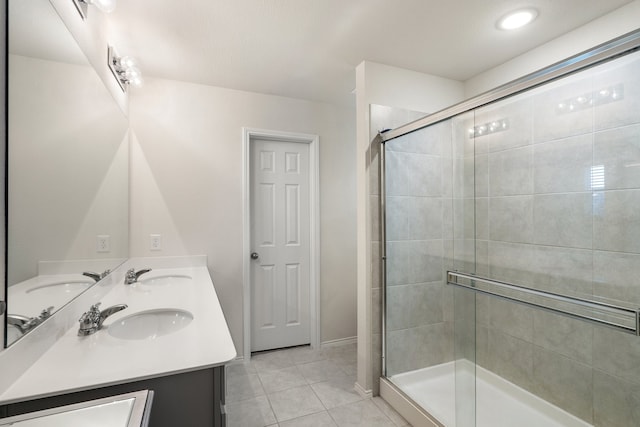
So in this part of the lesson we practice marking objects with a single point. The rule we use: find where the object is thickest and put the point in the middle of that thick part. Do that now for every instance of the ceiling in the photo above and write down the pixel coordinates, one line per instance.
(309, 48)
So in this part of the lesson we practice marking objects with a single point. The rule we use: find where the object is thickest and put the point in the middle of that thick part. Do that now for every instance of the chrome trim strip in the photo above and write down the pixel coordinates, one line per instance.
(618, 46)
(633, 314)
(383, 248)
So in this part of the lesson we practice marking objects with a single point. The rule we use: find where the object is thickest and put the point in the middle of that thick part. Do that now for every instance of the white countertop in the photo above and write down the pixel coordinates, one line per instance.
(77, 363)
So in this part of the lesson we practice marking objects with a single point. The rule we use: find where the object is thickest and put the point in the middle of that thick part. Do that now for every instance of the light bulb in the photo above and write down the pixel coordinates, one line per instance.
(126, 62)
(517, 19)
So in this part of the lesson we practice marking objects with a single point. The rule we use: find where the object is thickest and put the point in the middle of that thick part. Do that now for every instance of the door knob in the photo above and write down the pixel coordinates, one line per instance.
(254, 255)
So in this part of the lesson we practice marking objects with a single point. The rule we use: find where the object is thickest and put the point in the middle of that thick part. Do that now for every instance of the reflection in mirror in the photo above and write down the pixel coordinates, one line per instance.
(67, 170)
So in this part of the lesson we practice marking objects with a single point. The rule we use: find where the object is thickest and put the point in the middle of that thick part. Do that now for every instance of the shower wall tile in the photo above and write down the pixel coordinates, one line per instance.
(482, 218)
(469, 177)
(617, 151)
(436, 345)
(483, 313)
(458, 177)
(615, 275)
(511, 262)
(482, 258)
(481, 172)
(431, 140)
(549, 122)
(563, 270)
(563, 220)
(397, 174)
(482, 346)
(563, 382)
(425, 261)
(447, 176)
(511, 172)
(616, 223)
(616, 402)
(563, 165)
(448, 312)
(570, 337)
(397, 359)
(511, 358)
(397, 310)
(397, 218)
(519, 114)
(447, 218)
(398, 263)
(424, 218)
(616, 353)
(511, 219)
(425, 304)
(426, 173)
(511, 318)
(464, 257)
(627, 110)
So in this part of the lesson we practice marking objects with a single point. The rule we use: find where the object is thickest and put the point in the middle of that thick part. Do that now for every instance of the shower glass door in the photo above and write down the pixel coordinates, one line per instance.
(429, 326)
(533, 200)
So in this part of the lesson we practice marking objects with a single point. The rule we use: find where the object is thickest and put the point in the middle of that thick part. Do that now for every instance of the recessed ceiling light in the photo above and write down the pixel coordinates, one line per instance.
(517, 19)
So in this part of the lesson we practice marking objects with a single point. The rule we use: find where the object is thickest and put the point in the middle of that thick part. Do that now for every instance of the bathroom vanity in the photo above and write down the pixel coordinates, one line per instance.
(172, 338)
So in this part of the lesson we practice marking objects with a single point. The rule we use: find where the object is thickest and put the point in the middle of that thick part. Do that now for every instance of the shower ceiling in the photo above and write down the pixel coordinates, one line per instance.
(309, 48)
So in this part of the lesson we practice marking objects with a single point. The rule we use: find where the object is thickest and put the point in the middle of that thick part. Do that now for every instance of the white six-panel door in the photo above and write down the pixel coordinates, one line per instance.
(280, 244)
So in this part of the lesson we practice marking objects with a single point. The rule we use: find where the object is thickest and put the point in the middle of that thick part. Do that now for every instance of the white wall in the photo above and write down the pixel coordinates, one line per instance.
(186, 184)
(598, 31)
(395, 87)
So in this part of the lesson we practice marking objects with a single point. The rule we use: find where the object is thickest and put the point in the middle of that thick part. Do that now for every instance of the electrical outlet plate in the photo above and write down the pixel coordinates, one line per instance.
(103, 243)
(155, 242)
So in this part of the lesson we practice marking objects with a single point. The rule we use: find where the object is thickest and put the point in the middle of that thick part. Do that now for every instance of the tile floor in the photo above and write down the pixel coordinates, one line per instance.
(301, 387)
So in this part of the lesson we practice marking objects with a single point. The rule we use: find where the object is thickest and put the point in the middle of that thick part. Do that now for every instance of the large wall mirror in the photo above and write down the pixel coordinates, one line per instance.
(67, 163)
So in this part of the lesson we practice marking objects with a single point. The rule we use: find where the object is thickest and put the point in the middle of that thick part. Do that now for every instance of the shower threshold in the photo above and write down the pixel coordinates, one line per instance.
(498, 401)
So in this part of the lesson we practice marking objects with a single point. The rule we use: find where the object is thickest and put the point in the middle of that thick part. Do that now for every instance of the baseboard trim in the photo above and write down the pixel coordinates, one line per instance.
(362, 392)
(339, 341)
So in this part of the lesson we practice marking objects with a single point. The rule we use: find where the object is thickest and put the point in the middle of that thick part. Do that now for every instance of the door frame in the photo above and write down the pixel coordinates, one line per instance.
(248, 135)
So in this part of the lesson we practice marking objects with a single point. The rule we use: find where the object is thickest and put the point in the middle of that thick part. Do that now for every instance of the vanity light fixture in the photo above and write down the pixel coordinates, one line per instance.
(124, 69)
(517, 19)
(106, 6)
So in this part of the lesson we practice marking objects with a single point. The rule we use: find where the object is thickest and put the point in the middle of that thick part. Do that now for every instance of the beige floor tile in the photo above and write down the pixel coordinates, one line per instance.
(254, 412)
(294, 403)
(360, 414)
(321, 419)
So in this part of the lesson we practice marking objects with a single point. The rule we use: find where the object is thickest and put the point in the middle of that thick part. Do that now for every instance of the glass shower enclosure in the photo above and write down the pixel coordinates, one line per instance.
(511, 229)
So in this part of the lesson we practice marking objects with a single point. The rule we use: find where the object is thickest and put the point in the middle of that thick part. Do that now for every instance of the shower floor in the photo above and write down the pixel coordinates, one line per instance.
(498, 402)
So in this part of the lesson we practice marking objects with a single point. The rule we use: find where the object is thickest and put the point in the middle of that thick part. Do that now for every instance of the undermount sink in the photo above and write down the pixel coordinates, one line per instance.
(150, 324)
(69, 287)
(171, 279)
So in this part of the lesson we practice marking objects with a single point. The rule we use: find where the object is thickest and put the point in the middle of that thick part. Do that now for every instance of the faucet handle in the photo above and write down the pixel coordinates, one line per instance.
(46, 312)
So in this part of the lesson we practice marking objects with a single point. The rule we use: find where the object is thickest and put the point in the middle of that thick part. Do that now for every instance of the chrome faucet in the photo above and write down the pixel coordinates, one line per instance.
(96, 276)
(91, 321)
(24, 323)
(133, 275)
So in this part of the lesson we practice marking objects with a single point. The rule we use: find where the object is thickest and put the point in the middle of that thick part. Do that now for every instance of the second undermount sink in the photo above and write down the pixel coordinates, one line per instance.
(169, 279)
(150, 324)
